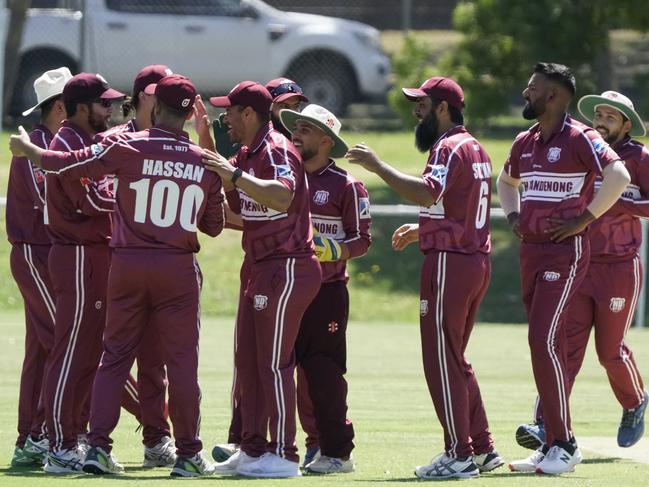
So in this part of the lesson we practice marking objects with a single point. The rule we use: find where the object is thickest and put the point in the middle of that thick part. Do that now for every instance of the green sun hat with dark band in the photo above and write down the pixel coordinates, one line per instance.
(587, 105)
(321, 118)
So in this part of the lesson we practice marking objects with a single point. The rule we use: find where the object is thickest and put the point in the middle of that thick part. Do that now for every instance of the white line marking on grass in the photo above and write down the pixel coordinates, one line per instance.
(607, 447)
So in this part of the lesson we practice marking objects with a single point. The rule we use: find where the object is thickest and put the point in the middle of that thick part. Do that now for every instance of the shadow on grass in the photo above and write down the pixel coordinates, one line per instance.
(596, 461)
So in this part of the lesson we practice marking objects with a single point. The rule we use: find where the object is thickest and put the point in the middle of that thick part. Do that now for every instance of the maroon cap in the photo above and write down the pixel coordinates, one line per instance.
(246, 94)
(148, 75)
(86, 87)
(438, 87)
(175, 91)
(283, 88)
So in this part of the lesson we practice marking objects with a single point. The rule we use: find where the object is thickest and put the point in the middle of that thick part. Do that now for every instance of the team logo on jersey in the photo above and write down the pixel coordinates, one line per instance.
(332, 327)
(617, 304)
(321, 197)
(95, 149)
(551, 276)
(423, 307)
(438, 172)
(261, 302)
(554, 153)
(364, 208)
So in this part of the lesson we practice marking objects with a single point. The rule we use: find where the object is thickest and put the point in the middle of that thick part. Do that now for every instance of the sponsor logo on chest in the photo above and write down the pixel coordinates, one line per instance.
(548, 186)
(251, 210)
(329, 226)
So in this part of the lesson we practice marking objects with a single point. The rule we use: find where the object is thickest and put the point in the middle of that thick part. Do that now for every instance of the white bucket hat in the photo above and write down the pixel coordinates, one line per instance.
(321, 118)
(587, 105)
(48, 85)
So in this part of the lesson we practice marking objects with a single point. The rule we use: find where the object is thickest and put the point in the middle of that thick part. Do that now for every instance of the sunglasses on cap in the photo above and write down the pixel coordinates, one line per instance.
(104, 102)
(286, 88)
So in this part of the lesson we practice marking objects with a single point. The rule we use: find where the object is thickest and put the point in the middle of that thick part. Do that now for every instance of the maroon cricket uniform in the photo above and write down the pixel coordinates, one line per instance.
(77, 218)
(557, 177)
(147, 396)
(340, 209)
(284, 278)
(454, 236)
(164, 195)
(29, 252)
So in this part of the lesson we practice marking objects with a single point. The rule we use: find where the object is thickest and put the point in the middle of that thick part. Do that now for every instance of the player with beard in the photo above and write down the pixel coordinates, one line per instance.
(78, 223)
(453, 233)
(556, 161)
(606, 300)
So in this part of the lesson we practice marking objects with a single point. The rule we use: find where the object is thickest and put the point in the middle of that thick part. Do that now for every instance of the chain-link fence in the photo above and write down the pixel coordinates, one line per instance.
(218, 43)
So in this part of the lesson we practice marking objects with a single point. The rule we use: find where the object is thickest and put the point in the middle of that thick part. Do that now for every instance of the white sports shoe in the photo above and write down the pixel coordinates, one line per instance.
(445, 467)
(195, 466)
(99, 462)
(325, 464)
(528, 464)
(161, 455)
(487, 462)
(223, 451)
(558, 460)
(66, 461)
(270, 465)
(229, 467)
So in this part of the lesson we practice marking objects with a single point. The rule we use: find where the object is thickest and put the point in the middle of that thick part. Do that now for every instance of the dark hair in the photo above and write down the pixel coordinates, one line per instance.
(174, 111)
(71, 108)
(263, 117)
(558, 73)
(130, 104)
(48, 105)
(455, 114)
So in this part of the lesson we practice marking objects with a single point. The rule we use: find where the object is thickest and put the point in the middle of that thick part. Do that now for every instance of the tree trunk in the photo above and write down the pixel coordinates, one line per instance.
(17, 18)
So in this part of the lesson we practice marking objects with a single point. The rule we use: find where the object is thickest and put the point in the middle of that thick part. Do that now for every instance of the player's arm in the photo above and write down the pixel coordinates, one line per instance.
(409, 187)
(510, 199)
(27, 173)
(273, 193)
(356, 221)
(638, 207)
(202, 125)
(213, 219)
(405, 235)
(233, 220)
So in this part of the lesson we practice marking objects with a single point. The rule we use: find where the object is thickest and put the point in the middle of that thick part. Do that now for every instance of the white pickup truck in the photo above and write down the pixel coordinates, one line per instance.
(215, 42)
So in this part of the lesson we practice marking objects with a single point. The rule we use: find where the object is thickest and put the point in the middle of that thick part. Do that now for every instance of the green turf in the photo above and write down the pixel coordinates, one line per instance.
(395, 424)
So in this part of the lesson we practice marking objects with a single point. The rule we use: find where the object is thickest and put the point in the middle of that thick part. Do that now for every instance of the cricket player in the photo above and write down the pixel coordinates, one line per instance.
(453, 233)
(606, 300)
(340, 212)
(30, 247)
(266, 184)
(164, 196)
(556, 161)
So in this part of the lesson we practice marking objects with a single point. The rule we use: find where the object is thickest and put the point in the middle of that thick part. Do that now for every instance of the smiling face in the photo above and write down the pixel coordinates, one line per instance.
(610, 123)
(234, 119)
(310, 140)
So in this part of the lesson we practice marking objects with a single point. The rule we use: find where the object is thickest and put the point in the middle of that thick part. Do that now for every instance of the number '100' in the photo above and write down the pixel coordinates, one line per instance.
(165, 199)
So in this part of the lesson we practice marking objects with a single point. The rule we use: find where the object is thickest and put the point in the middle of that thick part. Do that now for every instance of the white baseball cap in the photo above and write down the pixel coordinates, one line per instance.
(321, 118)
(48, 85)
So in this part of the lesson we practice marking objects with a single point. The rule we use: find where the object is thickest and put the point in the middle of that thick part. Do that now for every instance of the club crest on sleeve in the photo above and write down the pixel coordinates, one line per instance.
(364, 208)
(438, 172)
(554, 153)
(321, 197)
(284, 171)
(617, 304)
(600, 146)
(260, 302)
(423, 307)
(551, 276)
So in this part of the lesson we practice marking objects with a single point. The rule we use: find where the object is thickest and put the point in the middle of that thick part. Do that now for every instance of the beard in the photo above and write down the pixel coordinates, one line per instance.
(533, 111)
(307, 154)
(607, 135)
(97, 122)
(426, 132)
(279, 126)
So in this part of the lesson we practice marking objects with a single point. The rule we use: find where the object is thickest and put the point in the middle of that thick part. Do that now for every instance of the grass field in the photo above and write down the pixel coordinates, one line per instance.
(395, 423)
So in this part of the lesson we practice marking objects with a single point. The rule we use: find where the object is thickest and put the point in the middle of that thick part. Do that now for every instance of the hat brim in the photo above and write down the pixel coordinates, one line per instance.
(286, 96)
(290, 117)
(38, 105)
(587, 105)
(220, 101)
(111, 94)
(413, 94)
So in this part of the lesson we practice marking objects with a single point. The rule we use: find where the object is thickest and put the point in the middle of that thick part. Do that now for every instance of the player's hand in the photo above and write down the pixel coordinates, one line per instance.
(18, 143)
(562, 229)
(405, 235)
(223, 143)
(326, 249)
(513, 220)
(201, 119)
(215, 162)
(364, 156)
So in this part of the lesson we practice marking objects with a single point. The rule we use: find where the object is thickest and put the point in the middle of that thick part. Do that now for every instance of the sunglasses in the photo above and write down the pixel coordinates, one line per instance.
(286, 88)
(104, 102)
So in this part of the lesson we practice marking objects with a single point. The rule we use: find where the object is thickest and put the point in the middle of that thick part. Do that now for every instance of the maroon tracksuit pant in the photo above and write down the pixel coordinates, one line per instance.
(452, 288)
(29, 270)
(321, 351)
(551, 274)
(151, 293)
(277, 294)
(606, 301)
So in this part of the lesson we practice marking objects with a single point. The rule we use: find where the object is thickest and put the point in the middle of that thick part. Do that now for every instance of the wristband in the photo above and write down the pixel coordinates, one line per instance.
(512, 217)
(236, 175)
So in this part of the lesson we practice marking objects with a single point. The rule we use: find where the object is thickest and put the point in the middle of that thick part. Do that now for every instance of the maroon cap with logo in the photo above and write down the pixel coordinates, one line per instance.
(175, 91)
(283, 88)
(246, 94)
(438, 87)
(85, 87)
(148, 75)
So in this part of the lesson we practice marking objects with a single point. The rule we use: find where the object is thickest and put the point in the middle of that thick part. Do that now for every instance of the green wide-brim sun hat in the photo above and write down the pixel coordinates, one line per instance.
(588, 103)
(290, 117)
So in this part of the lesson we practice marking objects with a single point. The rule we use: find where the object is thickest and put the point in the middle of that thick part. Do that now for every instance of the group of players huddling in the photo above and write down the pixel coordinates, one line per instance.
(103, 224)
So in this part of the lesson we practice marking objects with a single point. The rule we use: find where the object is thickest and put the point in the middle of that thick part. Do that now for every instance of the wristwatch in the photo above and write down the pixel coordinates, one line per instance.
(236, 175)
